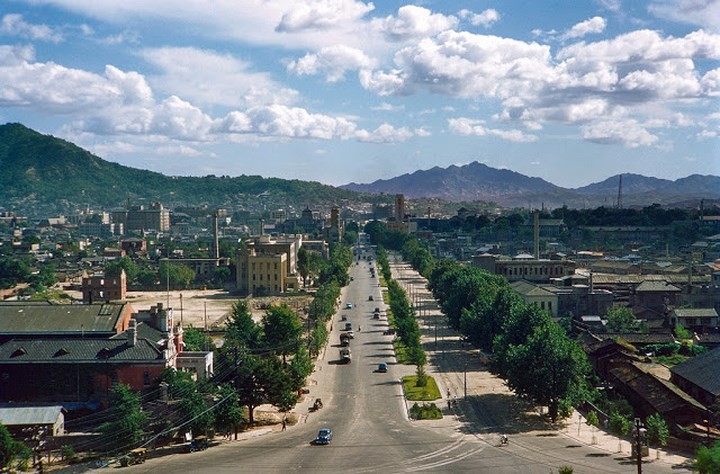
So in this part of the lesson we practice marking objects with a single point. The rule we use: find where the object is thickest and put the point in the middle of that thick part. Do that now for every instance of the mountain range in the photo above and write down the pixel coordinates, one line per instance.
(38, 169)
(479, 182)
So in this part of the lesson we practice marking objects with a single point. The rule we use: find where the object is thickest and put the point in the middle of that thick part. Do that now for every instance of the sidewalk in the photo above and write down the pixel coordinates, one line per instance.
(459, 369)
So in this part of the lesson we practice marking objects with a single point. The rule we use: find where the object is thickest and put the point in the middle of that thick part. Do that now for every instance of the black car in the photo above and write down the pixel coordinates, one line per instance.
(382, 367)
(324, 436)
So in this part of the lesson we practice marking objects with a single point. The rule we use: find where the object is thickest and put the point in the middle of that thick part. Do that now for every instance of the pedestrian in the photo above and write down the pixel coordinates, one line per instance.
(284, 423)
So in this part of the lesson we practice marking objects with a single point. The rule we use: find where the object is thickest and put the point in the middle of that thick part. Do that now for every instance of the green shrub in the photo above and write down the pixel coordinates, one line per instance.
(425, 412)
(565, 470)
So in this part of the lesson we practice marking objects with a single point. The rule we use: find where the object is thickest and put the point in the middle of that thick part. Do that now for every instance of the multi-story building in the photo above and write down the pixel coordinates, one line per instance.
(100, 288)
(136, 218)
(268, 266)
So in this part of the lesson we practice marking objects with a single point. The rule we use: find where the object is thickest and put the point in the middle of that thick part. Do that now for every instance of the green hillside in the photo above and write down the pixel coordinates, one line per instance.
(43, 168)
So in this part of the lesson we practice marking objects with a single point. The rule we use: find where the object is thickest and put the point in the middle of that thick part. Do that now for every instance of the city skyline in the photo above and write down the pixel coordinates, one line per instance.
(347, 91)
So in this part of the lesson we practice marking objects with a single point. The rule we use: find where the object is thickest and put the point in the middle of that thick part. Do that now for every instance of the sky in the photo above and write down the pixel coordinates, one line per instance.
(341, 91)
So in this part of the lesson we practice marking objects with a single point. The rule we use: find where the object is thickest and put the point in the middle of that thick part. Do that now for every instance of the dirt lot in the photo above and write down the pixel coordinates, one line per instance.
(194, 306)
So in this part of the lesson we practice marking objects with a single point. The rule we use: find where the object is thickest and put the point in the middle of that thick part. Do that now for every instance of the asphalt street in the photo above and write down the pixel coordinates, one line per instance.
(368, 414)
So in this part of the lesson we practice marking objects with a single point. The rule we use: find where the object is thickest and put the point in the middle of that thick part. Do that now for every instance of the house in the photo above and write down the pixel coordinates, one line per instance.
(649, 394)
(700, 377)
(700, 320)
(101, 288)
(49, 420)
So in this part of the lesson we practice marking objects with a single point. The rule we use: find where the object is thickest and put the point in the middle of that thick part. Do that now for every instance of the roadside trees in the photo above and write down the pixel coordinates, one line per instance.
(9, 448)
(547, 368)
(127, 415)
(283, 330)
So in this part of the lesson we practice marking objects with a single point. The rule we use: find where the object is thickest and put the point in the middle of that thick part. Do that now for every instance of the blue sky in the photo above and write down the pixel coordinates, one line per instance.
(343, 90)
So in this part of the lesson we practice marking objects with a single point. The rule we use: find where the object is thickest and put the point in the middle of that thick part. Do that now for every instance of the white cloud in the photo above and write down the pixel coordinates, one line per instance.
(13, 24)
(210, 78)
(321, 14)
(334, 61)
(486, 18)
(628, 133)
(287, 122)
(705, 13)
(414, 22)
(182, 150)
(705, 134)
(467, 127)
(612, 5)
(386, 133)
(465, 65)
(385, 107)
(590, 26)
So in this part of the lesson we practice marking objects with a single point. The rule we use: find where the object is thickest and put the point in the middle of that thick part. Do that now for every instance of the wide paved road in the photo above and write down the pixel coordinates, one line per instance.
(366, 411)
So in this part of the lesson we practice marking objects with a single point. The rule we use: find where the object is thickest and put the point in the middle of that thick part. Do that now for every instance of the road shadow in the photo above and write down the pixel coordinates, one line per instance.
(499, 413)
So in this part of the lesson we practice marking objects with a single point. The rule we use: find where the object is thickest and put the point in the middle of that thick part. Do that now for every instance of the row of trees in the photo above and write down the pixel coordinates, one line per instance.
(406, 325)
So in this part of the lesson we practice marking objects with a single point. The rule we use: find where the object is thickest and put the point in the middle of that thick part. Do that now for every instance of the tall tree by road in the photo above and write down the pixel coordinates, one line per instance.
(548, 368)
(283, 330)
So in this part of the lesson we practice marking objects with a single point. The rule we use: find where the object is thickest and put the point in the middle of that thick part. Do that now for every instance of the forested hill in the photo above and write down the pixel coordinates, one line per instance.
(43, 168)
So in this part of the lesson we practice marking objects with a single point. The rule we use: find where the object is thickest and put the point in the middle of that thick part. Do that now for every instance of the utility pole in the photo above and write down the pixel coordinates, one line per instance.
(639, 439)
(465, 381)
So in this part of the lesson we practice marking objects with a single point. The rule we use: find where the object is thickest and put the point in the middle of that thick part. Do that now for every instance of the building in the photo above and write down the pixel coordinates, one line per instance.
(700, 377)
(49, 420)
(77, 353)
(138, 218)
(269, 266)
(99, 288)
(524, 267)
(701, 320)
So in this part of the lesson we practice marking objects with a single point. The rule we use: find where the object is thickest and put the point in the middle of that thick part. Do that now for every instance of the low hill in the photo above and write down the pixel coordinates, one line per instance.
(42, 168)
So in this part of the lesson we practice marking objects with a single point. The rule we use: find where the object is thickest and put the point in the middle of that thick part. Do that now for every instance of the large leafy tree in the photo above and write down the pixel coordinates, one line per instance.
(657, 430)
(9, 448)
(229, 415)
(546, 369)
(127, 415)
(282, 329)
(242, 331)
(196, 340)
(178, 276)
(309, 264)
(621, 319)
(196, 412)
(114, 268)
(257, 378)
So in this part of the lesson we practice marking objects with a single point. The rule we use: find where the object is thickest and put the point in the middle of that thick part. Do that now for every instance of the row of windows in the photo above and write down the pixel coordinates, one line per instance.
(268, 277)
(261, 266)
(532, 271)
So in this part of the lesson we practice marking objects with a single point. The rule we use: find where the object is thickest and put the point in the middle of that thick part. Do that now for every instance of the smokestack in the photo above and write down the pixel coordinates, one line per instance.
(216, 243)
(132, 333)
(536, 219)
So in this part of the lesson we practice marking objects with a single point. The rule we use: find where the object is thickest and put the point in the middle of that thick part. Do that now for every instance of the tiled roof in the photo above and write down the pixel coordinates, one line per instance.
(702, 370)
(36, 415)
(77, 351)
(663, 396)
(31, 318)
(640, 339)
(657, 286)
(144, 331)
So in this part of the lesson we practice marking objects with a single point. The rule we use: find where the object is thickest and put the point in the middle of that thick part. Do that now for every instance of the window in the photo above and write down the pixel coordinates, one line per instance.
(549, 305)
(146, 378)
(542, 305)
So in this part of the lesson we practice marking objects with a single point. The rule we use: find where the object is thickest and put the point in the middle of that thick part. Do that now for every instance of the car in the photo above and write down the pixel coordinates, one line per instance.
(348, 305)
(351, 334)
(382, 367)
(389, 332)
(324, 436)
(370, 298)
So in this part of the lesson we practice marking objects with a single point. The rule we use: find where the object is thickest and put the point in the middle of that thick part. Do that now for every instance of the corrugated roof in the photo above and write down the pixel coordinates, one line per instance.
(77, 351)
(695, 312)
(39, 415)
(702, 370)
(657, 286)
(32, 318)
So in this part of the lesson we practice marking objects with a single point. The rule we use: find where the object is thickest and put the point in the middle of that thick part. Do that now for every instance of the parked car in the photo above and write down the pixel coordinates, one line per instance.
(136, 456)
(370, 298)
(348, 305)
(382, 367)
(324, 436)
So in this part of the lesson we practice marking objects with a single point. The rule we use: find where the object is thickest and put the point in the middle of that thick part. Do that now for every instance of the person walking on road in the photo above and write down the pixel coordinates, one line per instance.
(284, 423)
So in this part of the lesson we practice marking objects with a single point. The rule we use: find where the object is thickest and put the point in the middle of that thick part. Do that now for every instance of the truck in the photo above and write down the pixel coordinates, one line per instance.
(344, 339)
(345, 356)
